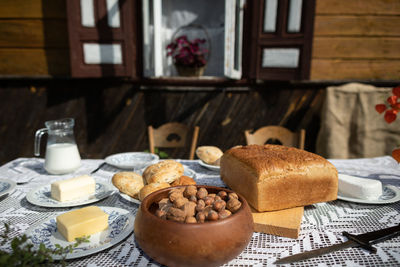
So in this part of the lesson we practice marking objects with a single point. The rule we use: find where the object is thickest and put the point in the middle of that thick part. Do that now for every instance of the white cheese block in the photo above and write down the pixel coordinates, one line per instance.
(74, 188)
(82, 222)
(357, 187)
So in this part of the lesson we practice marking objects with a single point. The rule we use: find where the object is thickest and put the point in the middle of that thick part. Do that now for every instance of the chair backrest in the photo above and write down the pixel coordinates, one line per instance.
(172, 134)
(282, 134)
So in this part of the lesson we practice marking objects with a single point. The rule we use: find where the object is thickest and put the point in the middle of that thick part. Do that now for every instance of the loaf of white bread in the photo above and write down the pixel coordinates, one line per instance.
(274, 177)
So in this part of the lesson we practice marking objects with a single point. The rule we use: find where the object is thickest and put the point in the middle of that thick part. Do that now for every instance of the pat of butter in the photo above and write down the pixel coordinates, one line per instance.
(73, 188)
(82, 222)
(361, 188)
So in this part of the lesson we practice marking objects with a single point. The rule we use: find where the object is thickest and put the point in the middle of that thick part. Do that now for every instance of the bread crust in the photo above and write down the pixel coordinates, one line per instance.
(128, 183)
(150, 188)
(209, 154)
(184, 180)
(273, 177)
(165, 171)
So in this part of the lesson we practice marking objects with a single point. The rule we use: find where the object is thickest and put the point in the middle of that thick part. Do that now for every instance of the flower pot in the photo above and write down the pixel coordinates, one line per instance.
(190, 71)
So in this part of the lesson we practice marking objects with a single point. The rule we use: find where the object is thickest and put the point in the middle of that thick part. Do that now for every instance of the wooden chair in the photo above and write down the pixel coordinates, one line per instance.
(172, 134)
(268, 133)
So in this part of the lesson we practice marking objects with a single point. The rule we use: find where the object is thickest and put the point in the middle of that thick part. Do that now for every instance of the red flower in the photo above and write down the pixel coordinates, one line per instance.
(380, 108)
(390, 115)
(396, 154)
(392, 99)
(187, 53)
(396, 91)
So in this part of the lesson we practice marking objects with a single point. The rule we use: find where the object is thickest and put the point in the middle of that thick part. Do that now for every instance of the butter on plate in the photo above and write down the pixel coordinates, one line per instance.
(361, 188)
(82, 222)
(74, 188)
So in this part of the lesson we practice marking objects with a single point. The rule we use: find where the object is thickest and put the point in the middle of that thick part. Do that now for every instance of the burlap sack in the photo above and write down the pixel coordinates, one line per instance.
(350, 126)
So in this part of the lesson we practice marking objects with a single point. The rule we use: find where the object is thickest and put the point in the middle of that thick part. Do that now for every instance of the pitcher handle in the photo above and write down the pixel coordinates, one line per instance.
(38, 136)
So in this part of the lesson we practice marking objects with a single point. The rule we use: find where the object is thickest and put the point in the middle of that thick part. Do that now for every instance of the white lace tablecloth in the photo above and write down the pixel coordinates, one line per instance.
(322, 223)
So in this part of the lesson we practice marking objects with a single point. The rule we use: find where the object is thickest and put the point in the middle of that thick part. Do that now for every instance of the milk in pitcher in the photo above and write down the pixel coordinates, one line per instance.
(62, 158)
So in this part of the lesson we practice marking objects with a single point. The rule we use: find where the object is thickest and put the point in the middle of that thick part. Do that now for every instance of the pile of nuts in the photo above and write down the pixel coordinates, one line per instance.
(191, 205)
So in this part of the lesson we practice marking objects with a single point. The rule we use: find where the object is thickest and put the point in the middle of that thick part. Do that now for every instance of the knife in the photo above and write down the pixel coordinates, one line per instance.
(363, 240)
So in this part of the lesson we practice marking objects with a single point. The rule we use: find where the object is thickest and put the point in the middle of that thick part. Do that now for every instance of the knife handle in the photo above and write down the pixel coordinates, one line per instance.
(365, 240)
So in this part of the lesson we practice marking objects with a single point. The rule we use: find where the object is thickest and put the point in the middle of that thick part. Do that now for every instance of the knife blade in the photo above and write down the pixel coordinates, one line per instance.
(365, 241)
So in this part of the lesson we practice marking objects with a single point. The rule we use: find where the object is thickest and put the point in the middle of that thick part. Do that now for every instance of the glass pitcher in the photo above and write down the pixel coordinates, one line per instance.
(62, 155)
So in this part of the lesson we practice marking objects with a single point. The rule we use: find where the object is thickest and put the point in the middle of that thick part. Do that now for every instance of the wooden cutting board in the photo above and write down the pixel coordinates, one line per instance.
(284, 223)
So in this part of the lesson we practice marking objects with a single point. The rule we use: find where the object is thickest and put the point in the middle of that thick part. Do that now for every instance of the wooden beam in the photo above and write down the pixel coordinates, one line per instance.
(34, 62)
(340, 69)
(356, 26)
(33, 33)
(356, 47)
(32, 9)
(371, 7)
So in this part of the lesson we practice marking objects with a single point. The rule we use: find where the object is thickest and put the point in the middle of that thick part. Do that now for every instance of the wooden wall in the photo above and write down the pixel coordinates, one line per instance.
(353, 40)
(356, 39)
(113, 117)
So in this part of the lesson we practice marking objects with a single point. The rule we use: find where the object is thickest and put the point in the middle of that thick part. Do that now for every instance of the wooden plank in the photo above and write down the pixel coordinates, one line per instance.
(356, 26)
(33, 9)
(33, 33)
(340, 7)
(357, 47)
(337, 69)
(284, 223)
(34, 62)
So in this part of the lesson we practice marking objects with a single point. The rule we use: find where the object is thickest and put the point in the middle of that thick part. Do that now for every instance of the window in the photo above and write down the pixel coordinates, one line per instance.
(257, 39)
(219, 22)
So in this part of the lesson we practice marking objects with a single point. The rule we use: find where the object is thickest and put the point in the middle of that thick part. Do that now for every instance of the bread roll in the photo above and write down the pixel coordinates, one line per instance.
(128, 183)
(184, 180)
(274, 177)
(209, 154)
(150, 188)
(165, 171)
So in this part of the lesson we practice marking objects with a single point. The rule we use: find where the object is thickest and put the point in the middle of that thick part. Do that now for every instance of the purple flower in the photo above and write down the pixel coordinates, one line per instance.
(187, 53)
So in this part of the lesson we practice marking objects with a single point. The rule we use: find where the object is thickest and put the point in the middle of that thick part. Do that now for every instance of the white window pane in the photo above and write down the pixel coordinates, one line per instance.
(270, 11)
(280, 58)
(87, 13)
(113, 13)
(102, 53)
(294, 20)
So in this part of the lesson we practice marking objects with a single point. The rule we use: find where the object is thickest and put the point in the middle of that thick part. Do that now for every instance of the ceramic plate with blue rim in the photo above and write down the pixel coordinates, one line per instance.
(6, 186)
(390, 194)
(132, 160)
(41, 196)
(120, 225)
(209, 166)
(186, 171)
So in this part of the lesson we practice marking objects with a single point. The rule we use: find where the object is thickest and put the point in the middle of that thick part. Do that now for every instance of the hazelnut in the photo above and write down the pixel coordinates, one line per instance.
(212, 215)
(179, 202)
(200, 205)
(233, 205)
(219, 205)
(201, 193)
(176, 214)
(161, 214)
(175, 195)
(190, 220)
(208, 200)
(212, 195)
(207, 208)
(193, 199)
(233, 195)
(217, 198)
(189, 208)
(201, 217)
(222, 194)
(190, 190)
(224, 214)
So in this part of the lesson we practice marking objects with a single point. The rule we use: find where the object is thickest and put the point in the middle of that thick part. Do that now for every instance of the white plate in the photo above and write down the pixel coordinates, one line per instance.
(120, 225)
(187, 172)
(6, 186)
(209, 166)
(132, 160)
(390, 194)
(41, 196)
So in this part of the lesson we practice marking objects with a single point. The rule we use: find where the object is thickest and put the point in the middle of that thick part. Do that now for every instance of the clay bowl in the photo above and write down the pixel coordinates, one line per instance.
(198, 244)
